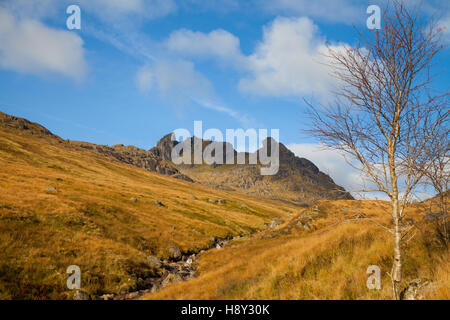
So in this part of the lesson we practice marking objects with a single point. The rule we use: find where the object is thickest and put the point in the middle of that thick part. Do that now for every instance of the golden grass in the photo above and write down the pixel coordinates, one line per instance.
(91, 222)
(328, 263)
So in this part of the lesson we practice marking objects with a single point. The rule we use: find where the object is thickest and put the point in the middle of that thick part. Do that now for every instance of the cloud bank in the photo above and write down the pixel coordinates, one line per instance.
(28, 46)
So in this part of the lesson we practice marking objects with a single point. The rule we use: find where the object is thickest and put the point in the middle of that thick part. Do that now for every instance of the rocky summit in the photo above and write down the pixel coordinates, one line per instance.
(297, 180)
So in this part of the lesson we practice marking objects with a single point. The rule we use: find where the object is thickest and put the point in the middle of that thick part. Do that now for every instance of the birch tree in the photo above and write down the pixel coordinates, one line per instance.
(386, 112)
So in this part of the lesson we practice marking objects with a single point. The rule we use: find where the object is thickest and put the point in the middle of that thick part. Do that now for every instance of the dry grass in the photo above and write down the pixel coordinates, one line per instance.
(328, 263)
(91, 222)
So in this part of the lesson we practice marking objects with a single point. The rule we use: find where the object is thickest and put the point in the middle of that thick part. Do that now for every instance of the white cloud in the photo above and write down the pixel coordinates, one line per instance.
(289, 61)
(178, 81)
(29, 46)
(217, 43)
(174, 76)
(334, 163)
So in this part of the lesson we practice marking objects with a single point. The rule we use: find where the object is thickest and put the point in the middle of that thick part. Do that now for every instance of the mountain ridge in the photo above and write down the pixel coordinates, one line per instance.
(298, 180)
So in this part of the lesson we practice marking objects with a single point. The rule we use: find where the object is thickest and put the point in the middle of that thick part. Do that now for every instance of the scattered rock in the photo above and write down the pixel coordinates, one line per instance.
(81, 295)
(243, 206)
(51, 189)
(159, 203)
(218, 246)
(132, 199)
(107, 297)
(154, 262)
(175, 253)
(213, 200)
(222, 201)
(193, 197)
(275, 223)
(307, 227)
(171, 278)
(315, 210)
(414, 290)
(189, 261)
(131, 295)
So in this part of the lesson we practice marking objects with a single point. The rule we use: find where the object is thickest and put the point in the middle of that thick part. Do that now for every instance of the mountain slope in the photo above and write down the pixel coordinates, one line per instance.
(62, 204)
(320, 253)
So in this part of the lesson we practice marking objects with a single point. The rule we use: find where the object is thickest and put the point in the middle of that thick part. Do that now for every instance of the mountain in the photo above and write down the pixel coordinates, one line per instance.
(103, 209)
(138, 233)
(298, 180)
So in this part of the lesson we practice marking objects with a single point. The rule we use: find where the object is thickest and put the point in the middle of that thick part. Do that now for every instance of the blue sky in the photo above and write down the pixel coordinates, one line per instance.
(139, 69)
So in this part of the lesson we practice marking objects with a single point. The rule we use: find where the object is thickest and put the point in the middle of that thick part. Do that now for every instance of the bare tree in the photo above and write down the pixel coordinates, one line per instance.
(386, 114)
(437, 175)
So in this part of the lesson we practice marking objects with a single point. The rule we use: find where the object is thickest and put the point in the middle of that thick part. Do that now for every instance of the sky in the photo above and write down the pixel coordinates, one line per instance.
(139, 69)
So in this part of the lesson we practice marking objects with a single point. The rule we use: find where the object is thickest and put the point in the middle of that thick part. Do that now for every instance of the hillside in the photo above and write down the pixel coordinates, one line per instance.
(320, 253)
(64, 204)
(140, 227)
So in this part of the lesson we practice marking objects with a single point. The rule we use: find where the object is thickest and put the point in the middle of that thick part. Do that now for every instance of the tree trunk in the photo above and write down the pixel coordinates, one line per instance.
(396, 272)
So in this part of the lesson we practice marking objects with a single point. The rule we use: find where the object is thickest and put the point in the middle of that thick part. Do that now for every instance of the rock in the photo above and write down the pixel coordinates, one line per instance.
(315, 210)
(81, 295)
(213, 200)
(132, 199)
(171, 278)
(222, 201)
(193, 197)
(243, 206)
(307, 227)
(51, 189)
(159, 203)
(218, 246)
(131, 295)
(154, 262)
(413, 290)
(189, 261)
(107, 297)
(275, 223)
(175, 253)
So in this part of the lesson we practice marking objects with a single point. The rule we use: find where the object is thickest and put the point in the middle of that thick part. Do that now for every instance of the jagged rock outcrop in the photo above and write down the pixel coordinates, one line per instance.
(297, 179)
(22, 125)
(137, 157)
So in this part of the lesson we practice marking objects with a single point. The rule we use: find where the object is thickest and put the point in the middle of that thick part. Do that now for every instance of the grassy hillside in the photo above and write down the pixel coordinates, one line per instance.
(327, 262)
(92, 220)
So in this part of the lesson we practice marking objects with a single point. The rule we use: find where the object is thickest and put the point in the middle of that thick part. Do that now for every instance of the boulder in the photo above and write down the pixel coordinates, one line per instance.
(275, 223)
(81, 295)
(132, 199)
(154, 262)
(51, 189)
(414, 290)
(174, 253)
(159, 203)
